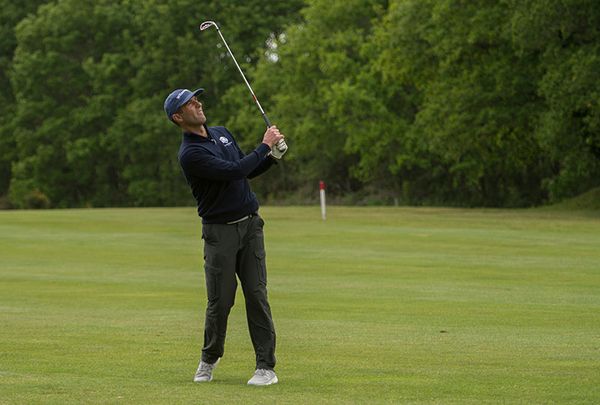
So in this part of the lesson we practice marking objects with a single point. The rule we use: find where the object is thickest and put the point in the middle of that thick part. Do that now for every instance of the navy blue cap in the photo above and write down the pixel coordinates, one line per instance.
(177, 98)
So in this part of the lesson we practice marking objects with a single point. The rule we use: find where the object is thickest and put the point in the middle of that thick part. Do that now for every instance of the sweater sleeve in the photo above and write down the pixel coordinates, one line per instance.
(200, 163)
(265, 165)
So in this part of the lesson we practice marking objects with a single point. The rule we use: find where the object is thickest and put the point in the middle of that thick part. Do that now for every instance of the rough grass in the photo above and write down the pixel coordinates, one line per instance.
(590, 200)
(375, 305)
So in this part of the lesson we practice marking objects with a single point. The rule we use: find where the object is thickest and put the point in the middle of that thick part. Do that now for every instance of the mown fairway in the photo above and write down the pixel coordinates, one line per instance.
(375, 305)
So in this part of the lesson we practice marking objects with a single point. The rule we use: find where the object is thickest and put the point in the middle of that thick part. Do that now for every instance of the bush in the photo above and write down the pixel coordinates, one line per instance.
(24, 193)
(5, 203)
(35, 199)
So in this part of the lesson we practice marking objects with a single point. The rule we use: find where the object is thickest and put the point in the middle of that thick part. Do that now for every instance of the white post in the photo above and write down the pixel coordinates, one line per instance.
(322, 193)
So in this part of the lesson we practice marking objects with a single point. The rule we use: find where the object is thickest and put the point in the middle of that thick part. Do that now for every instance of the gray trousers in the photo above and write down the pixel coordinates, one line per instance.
(230, 250)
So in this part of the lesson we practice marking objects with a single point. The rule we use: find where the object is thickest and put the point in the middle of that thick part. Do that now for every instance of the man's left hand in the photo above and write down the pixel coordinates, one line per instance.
(279, 149)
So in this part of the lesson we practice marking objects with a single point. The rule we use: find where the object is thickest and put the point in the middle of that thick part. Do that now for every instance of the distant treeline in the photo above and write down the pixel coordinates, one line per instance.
(470, 103)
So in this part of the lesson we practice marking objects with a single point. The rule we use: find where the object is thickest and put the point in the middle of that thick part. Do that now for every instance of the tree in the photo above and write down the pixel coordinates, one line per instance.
(465, 101)
(433, 101)
(298, 79)
(12, 14)
(60, 118)
(565, 39)
(169, 58)
(95, 133)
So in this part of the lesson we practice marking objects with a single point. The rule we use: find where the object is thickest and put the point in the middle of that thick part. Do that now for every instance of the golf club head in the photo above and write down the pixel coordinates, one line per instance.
(207, 24)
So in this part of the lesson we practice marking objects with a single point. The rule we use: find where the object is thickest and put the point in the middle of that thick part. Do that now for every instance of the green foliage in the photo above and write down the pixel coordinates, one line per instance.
(473, 103)
(12, 13)
(36, 199)
(61, 114)
(90, 80)
(588, 201)
(566, 39)
(443, 102)
(474, 115)
(314, 59)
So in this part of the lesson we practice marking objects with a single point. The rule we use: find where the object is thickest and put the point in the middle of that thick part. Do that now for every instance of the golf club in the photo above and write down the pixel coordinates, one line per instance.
(281, 145)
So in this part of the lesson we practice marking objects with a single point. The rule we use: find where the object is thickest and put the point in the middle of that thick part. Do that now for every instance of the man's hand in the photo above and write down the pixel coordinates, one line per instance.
(274, 139)
(279, 149)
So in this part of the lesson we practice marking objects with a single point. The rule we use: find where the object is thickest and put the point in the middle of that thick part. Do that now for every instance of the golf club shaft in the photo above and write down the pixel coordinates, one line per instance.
(245, 80)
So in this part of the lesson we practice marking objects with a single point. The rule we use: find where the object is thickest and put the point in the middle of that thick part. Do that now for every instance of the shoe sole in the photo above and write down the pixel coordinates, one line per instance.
(270, 382)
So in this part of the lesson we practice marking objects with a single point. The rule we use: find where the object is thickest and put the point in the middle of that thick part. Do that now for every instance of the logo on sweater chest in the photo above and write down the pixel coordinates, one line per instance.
(225, 141)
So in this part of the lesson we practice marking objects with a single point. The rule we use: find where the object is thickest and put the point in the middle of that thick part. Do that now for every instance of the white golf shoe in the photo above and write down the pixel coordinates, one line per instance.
(205, 371)
(263, 377)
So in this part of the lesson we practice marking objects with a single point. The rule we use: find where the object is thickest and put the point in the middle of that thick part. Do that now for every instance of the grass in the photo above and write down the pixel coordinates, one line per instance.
(590, 200)
(374, 305)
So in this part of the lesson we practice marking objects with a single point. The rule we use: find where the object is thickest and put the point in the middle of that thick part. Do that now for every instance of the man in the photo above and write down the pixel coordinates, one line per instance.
(218, 172)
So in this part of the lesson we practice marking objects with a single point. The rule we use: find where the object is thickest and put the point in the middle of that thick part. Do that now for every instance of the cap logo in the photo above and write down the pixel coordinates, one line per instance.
(180, 93)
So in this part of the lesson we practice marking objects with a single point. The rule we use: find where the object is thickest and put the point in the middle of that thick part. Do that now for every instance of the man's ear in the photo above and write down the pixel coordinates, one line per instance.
(177, 118)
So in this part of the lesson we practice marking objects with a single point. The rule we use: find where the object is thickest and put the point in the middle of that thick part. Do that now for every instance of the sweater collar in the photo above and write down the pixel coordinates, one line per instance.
(194, 137)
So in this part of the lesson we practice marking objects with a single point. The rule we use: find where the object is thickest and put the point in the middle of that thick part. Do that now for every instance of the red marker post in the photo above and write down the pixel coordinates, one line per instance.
(322, 193)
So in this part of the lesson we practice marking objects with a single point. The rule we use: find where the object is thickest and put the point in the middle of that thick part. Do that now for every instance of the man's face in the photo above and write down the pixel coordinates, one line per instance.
(190, 114)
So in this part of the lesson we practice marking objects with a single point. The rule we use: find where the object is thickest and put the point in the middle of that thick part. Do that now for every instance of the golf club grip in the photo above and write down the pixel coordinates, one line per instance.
(266, 120)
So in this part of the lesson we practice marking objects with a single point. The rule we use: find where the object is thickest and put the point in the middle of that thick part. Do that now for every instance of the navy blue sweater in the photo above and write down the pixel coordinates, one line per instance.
(218, 172)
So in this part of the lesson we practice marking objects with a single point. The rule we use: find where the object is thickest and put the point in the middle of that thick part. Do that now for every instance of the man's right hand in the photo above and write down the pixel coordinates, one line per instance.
(274, 139)
(272, 136)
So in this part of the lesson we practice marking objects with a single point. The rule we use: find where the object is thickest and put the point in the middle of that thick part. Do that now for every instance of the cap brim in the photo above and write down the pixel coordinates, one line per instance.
(192, 94)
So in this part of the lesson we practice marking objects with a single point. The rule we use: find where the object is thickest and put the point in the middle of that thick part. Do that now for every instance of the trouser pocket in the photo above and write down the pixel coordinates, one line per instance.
(261, 266)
